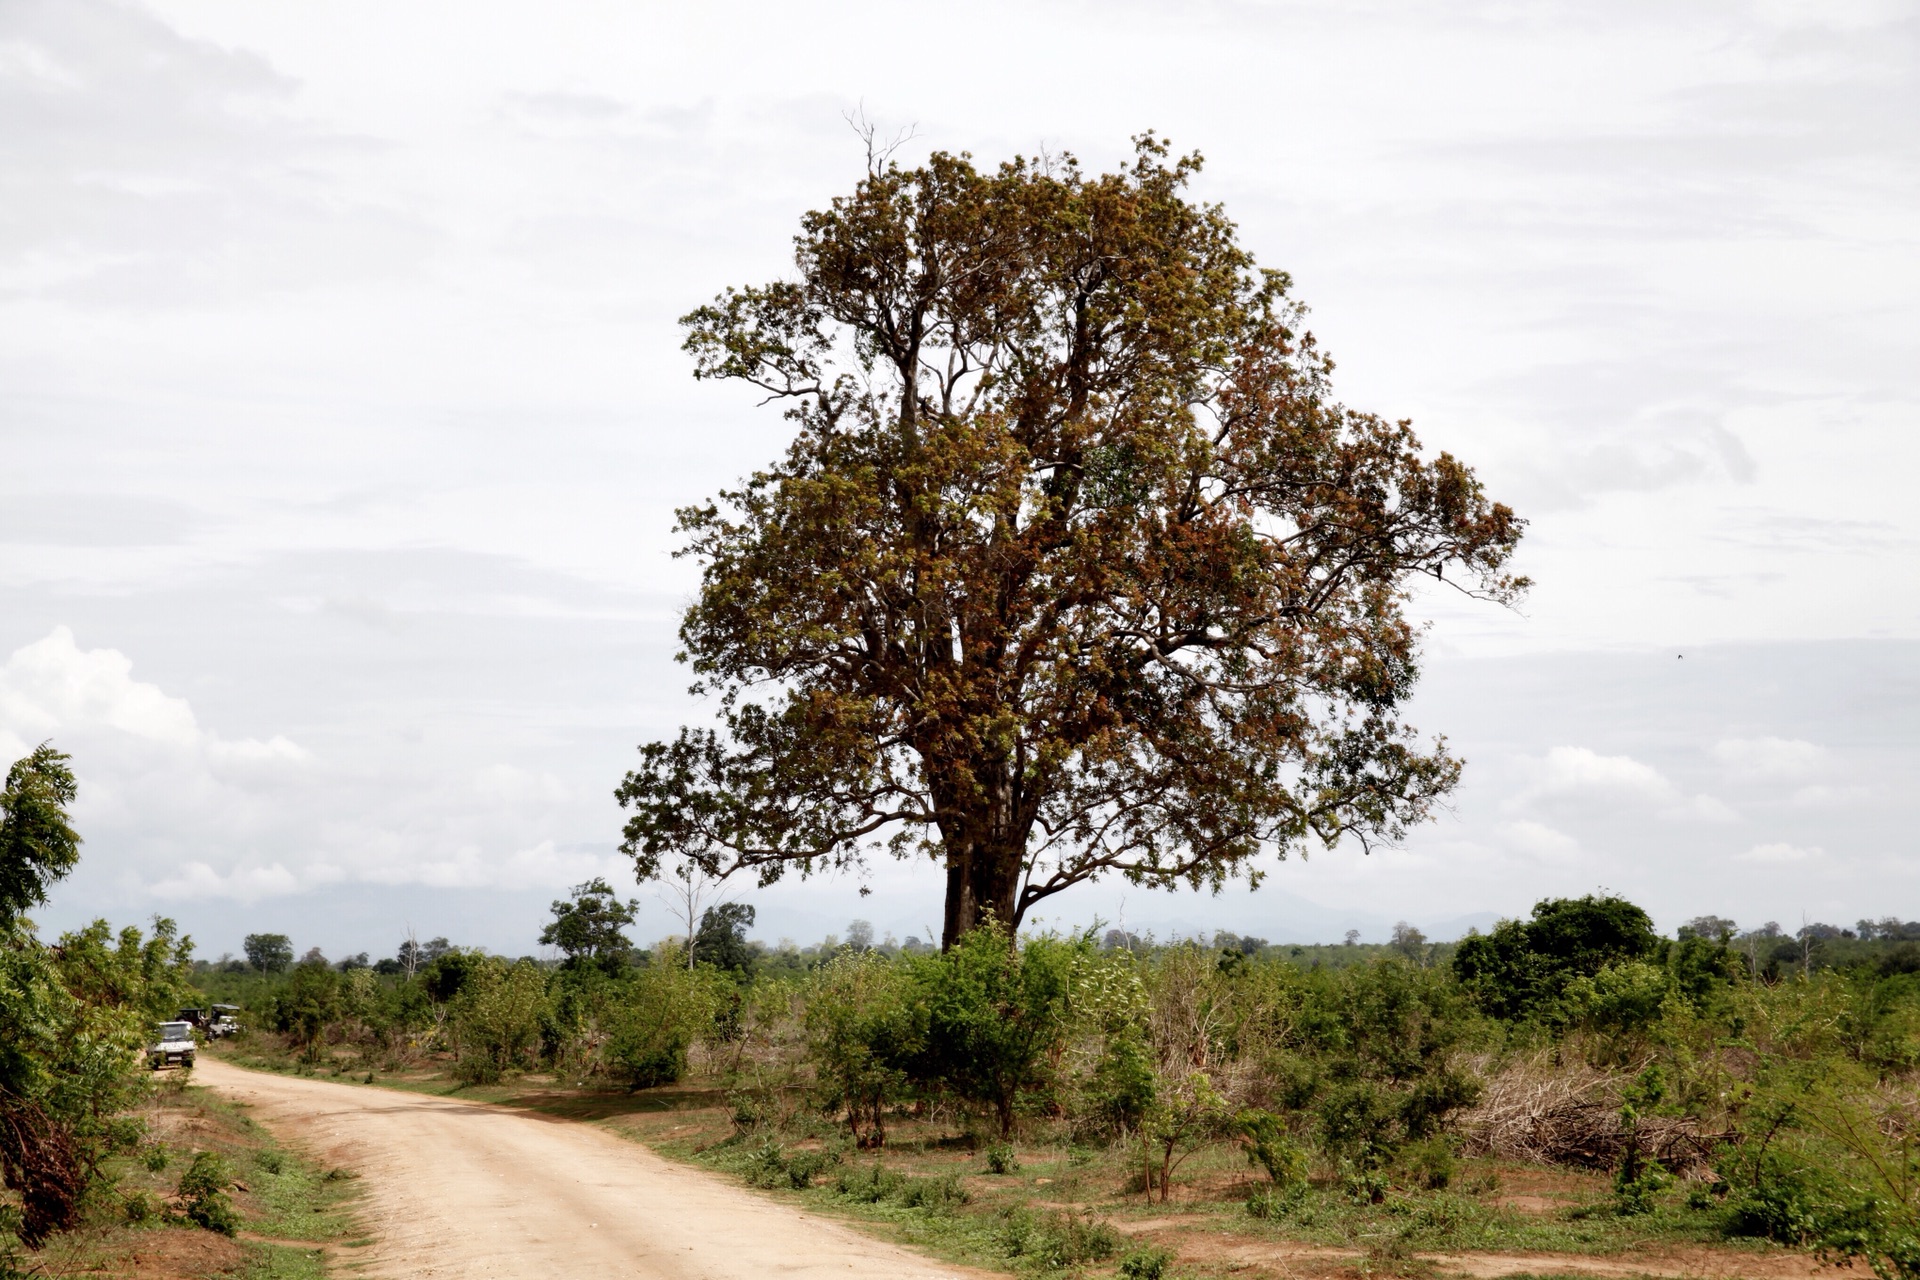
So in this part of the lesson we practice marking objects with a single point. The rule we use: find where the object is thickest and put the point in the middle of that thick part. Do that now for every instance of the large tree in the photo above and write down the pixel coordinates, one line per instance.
(1073, 567)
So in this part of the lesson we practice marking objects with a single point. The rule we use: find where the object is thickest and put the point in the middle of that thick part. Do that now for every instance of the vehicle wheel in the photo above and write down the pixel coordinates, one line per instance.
(187, 1062)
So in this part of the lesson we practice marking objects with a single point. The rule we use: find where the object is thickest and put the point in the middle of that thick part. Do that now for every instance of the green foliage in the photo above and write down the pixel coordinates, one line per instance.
(203, 1194)
(38, 844)
(1001, 1159)
(1123, 1088)
(588, 926)
(655, 1018)
(876, 1184)
(866, 1029)
(1430, 1162)
(496, 1018)
(996, 1012)
(1828, 1157)
(268, 952)
(771, 1165)
(1054, 1241)
(307, 1004)
(721, 939)
(1270, 1147)
(1522, 969)
(74, 1019)
(1146, 1263)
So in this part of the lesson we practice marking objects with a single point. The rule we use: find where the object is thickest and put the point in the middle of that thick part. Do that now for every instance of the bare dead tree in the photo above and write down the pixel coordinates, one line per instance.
(687, 895)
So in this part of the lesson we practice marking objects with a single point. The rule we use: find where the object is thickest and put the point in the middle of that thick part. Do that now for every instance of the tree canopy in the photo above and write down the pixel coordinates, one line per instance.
(1074, 567)
(38, 844)
(589, 926)
(1522, 967)
(268, 952)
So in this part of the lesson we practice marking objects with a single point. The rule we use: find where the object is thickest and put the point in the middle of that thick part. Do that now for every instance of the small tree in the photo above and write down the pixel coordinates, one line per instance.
(722, 937)
(496, 1018)
(664, 1008)
(269, 952)
(996, 1013)
(1410, 942)
(308, 1004)
(864, 1029)
(588, 927)
(1521, 969)
(38, 844)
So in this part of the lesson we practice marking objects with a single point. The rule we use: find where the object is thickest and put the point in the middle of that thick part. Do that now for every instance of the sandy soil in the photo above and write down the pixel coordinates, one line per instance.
(460, 1189)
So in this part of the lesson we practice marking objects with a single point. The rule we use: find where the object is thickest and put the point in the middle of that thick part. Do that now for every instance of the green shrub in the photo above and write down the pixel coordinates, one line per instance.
(1001, 1158)
(1273, 1202)
(868, 1183)
(1055, 1241)
(996, 1014)
(203, 1194)
(658, 1014)
(1522, 968)
(1430, 1163)
(864, 1029)
(496, 1018)
(1269, 1147)
(1146, 1264)
(770, 1166)
(932, 1194)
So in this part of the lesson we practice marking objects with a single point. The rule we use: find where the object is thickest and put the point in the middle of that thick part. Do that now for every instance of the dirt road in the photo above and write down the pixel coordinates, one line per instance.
(460, 1189)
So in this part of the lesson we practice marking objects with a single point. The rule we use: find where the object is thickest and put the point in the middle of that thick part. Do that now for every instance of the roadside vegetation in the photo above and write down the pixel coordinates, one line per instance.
(110, 1169)
(1569, 1084)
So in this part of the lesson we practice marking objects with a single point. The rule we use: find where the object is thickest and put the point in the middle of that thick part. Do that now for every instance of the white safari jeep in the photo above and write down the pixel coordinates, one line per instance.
(173, 1042)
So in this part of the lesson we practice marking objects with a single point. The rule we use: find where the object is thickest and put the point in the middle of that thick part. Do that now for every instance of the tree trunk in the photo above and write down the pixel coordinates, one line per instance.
(986, 855)
(982, 882)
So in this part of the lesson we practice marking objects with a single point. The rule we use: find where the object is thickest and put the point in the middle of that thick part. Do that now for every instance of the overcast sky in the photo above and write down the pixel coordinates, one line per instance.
(343, 418)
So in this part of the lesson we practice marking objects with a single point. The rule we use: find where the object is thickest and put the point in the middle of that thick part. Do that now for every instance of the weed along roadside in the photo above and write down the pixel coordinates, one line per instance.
(1569, 1095)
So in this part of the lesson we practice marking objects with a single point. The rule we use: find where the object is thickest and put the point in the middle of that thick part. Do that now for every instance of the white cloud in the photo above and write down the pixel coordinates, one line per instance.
(542, 866)
(1822, 796)
(1780, 853)
(1582, 774)
(1579, 770)
(509, 785)
(1770, 759)
(198, 880)
(1537, 839)
(53, 686)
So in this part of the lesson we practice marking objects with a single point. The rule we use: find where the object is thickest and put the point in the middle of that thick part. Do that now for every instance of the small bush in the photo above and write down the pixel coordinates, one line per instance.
(769, 1166)
(665, 1008)
(138, 1207)
(868, 1184)
(270, 1161)
(203, 1194)
(1270, 1148)
(1146, 1264)
(933, 1194)
(156, 1159)
(1056, 1241)
(1001, 1159)
(1271, 1202)
(1430, 1164)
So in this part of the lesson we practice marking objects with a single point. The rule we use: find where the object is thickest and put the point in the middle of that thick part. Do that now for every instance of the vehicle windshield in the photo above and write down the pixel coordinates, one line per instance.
(176, 1031)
